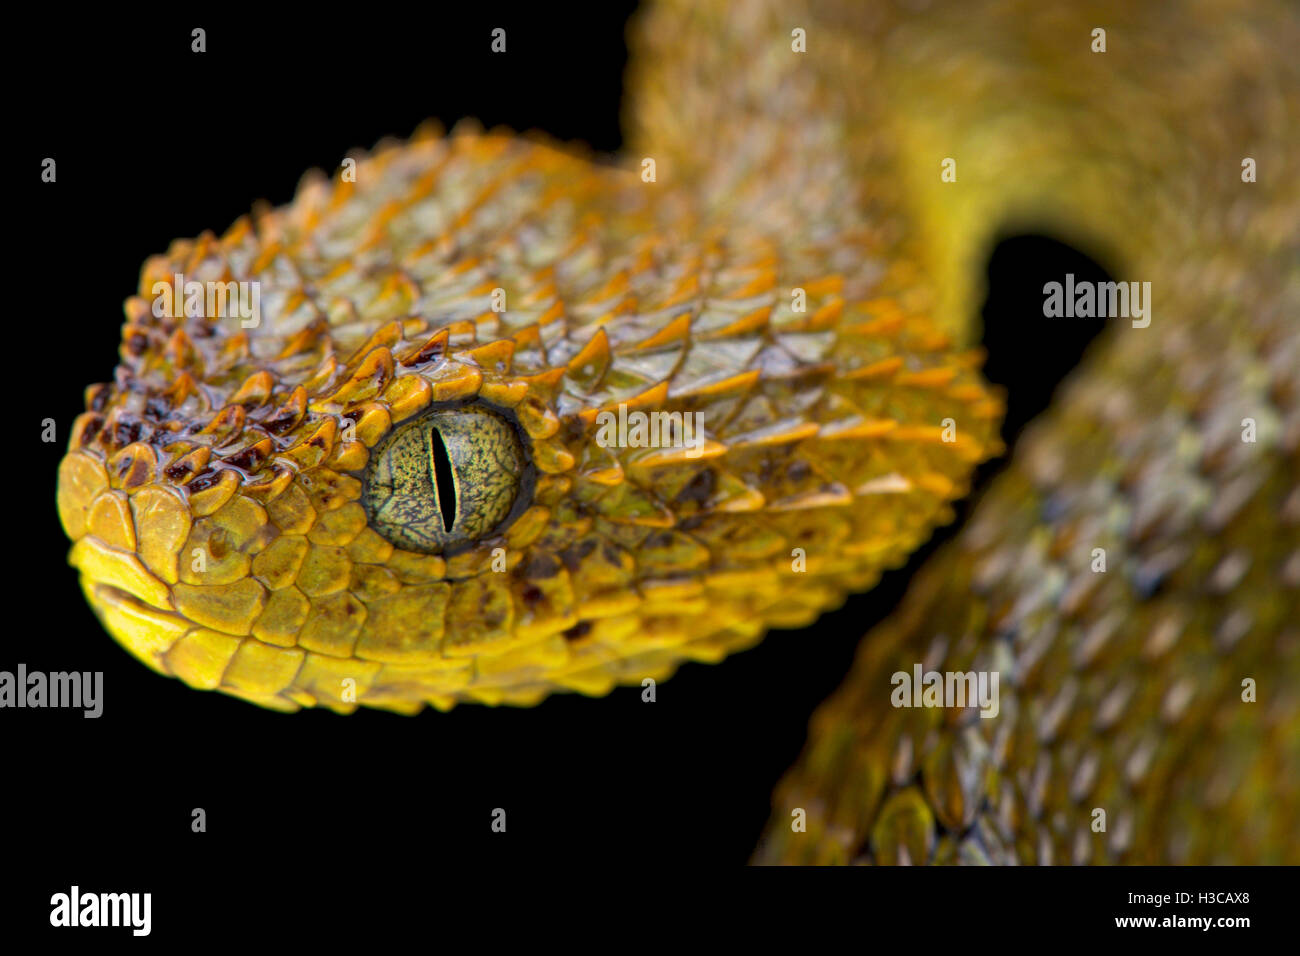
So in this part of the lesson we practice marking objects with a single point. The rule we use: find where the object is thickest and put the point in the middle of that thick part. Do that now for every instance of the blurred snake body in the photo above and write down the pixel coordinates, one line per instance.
(782, 254)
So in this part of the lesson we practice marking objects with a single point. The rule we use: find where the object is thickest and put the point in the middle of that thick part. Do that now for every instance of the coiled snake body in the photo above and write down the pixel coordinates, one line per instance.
(394, 489)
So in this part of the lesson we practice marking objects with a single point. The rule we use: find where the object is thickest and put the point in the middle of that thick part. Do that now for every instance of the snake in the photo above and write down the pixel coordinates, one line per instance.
(411, 480)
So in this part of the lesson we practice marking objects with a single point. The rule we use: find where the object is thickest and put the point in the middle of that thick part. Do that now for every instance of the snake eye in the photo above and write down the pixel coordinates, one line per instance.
(446, 480)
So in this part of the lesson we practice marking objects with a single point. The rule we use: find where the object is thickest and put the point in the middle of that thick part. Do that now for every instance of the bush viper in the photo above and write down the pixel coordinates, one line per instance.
(392, 488)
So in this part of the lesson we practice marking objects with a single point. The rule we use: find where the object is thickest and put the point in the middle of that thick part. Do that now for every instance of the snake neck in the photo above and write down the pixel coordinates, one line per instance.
(1173, 450)
(936, 126)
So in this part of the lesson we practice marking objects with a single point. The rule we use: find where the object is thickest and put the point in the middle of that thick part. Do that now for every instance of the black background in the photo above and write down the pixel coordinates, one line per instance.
(154, 142)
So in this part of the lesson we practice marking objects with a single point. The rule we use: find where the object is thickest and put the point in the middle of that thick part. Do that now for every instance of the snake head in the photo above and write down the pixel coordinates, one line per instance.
(506, 422)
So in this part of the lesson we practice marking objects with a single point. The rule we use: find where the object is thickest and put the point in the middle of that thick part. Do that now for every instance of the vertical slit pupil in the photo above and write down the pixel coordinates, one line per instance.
(446, 483)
